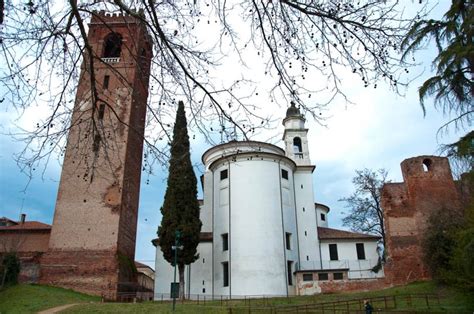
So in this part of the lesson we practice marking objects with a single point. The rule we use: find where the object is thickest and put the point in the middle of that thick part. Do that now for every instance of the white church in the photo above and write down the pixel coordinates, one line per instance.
(262, 232)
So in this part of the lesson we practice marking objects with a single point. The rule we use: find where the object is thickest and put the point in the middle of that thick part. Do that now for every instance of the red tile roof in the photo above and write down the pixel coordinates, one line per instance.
(27, 225)
(330, 234)
(141, 265)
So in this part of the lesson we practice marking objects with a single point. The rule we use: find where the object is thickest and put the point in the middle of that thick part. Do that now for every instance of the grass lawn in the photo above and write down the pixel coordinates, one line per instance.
(33, 298)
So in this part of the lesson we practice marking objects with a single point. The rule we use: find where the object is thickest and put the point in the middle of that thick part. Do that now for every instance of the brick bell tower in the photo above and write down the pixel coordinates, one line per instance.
(92, 244)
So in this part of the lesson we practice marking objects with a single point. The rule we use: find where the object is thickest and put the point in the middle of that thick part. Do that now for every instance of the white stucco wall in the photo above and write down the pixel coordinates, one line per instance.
(256, 255)
(306, 215)
(206, 209)
(289, 221)
(200, 272)
(198, 275)
(220, 227)
(322, 210)
(164, 274)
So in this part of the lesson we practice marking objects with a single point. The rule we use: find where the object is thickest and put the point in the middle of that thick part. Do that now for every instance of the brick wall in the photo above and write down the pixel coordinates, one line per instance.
(428, 186)
(93, 236)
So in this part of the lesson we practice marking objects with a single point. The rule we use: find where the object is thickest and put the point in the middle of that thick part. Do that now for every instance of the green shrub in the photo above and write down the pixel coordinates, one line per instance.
(10, 268)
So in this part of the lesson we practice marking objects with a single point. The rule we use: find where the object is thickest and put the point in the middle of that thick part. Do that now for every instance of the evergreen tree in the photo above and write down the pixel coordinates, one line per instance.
(453, 84)
(181, 208)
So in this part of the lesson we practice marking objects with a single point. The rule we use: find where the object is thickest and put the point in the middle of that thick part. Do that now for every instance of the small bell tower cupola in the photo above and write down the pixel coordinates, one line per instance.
(295, 136)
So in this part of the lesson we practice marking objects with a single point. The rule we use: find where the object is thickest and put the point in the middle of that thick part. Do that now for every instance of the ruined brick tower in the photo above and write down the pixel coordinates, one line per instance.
(92, 244)
(428, 186)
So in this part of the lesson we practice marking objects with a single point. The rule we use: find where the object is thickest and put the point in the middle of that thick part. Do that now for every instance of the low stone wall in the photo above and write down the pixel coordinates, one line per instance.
(92, 272)
(29, 267)
(353, 285)
(316, 287)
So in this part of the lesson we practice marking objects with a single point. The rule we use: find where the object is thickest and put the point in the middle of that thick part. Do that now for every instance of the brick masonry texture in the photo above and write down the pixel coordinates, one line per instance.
(93, 236)
(428, 186)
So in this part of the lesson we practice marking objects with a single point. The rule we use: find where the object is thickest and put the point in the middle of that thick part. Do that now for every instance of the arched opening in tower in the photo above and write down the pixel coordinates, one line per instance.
(112, 46)
(427, 165)
(297, 149)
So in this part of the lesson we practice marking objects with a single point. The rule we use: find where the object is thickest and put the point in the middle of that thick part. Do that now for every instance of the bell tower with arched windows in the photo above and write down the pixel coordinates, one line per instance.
(92, 243)
(295, 136)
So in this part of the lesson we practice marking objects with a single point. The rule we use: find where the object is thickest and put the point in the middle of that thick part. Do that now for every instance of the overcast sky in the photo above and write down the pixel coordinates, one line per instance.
(379, 130)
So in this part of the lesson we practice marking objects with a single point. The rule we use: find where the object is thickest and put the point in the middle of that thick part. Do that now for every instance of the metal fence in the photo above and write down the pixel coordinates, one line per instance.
(264, 304)
(382, 303)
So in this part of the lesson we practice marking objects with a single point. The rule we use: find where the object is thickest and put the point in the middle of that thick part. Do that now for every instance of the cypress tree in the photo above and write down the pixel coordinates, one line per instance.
(180, 208)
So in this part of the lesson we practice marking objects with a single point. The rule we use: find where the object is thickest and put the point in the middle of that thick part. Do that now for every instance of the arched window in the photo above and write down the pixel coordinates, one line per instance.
(427, 165)
(112, 46)
(297, 145)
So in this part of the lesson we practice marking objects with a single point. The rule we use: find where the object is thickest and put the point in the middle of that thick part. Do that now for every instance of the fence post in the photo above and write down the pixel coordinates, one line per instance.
(385, 300)
(427, 301)
(221, 300)
(394, 301)
(409, 300)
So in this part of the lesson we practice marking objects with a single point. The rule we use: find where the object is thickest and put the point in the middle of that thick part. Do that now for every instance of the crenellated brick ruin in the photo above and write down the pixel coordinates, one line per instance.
(428, 186)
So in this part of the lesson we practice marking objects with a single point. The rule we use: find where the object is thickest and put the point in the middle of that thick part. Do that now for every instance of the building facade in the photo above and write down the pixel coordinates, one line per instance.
(261, 223)
(29, 241)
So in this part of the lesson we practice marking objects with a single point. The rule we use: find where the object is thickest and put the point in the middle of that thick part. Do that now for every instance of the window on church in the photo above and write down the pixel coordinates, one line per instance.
(337, 276)
(307, 277)
(333, 252)
(284, 174)
(290, 272)
(360, 251)
(112, 46)
(323, 217)
(297, 148)
(288, 240)
(323, 276)
(225, 273)
(225, 242)
(224, 174)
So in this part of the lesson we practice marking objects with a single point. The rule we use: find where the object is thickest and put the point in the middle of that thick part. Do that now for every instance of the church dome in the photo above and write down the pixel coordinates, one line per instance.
(293, 111)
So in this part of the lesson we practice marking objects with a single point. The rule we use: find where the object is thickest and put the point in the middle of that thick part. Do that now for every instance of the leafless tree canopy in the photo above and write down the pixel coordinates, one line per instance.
(306, 49)
(365, 209)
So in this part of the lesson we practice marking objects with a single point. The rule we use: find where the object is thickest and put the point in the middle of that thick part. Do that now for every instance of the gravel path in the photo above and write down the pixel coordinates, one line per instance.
(57, 309)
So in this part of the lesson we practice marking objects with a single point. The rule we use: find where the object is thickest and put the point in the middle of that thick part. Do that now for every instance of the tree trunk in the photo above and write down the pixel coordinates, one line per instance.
(181, 281)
